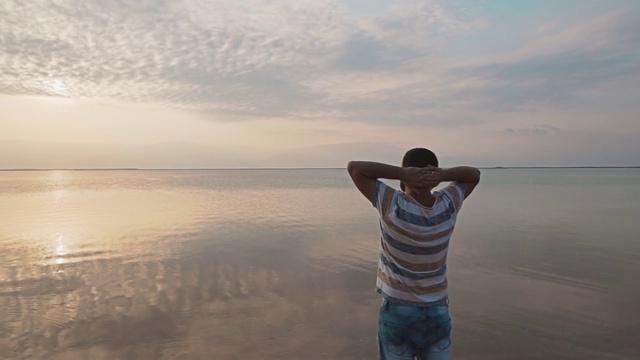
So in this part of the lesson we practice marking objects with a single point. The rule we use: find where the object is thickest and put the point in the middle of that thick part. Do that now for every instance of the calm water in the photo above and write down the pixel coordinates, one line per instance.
(280, 264)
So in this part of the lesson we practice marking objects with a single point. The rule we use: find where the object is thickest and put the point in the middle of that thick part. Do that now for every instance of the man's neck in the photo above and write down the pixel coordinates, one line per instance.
(424, 197)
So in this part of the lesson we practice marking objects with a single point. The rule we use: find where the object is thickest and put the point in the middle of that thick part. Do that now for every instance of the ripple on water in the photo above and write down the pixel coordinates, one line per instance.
(45, 285)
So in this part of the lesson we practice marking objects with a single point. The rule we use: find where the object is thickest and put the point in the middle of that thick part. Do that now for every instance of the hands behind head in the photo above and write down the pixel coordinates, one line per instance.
(422, 178)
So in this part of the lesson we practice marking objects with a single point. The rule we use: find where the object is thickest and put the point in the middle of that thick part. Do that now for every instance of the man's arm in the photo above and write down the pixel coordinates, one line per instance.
(365, 173)
(468, 177)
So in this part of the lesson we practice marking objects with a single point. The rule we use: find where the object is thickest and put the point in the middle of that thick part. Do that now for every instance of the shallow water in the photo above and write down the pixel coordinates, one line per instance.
(280, 264)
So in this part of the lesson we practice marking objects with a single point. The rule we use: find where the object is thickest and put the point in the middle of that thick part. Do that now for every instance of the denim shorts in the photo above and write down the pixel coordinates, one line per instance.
(408, 332)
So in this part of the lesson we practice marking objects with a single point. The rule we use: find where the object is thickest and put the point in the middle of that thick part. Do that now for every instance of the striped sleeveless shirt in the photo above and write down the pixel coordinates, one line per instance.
(414, 242)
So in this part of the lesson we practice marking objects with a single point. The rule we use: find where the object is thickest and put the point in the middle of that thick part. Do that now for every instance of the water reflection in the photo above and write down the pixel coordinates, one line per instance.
(60, 250)
(230, 292)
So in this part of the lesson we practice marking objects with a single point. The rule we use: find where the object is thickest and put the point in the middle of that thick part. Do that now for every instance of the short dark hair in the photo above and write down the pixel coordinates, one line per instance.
(418, 157)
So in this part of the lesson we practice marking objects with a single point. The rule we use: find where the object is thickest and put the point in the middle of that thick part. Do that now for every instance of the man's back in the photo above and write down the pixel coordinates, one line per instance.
(414, 243)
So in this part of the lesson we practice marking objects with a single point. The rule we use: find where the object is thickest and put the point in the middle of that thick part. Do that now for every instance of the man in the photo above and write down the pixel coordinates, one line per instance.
(416, 225)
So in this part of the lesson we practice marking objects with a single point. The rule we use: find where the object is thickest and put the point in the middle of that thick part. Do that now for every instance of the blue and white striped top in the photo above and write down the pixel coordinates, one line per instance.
(414, 243)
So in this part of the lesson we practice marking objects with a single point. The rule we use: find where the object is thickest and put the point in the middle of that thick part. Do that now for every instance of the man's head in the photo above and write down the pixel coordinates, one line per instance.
(419, 157)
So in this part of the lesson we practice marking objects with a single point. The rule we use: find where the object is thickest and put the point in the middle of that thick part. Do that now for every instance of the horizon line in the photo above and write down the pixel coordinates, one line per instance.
(302, 168)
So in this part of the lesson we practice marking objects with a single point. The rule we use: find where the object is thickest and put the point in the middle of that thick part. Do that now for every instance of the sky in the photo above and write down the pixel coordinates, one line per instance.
(315, 83)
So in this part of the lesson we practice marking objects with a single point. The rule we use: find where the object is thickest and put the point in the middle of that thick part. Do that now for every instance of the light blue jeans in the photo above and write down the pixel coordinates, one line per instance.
(408, 332)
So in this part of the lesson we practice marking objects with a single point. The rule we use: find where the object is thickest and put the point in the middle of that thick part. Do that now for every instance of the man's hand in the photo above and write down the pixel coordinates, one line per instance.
(422, 178)
(432, 176)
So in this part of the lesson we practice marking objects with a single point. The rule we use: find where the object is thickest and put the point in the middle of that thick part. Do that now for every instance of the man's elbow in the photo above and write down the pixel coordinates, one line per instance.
(352, 167)
(476, 175)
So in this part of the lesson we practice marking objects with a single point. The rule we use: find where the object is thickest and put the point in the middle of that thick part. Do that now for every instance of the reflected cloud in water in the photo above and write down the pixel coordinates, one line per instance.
(213, 299)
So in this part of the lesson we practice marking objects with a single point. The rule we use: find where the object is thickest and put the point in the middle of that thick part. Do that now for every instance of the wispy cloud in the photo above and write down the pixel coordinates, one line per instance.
(560, 62)
(535, 130)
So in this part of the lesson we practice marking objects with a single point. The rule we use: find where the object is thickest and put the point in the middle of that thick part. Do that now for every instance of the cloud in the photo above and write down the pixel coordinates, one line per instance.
(184, 53)
(608, 30)
(535, 130)
(334, 155)
(559, 62)
(250, 58)
(558, 79)
(384, 62)
(558, 66)
(16, 154)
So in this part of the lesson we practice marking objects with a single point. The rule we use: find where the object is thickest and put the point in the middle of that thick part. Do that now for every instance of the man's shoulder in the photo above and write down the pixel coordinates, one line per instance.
(383, 195)
(453, 192)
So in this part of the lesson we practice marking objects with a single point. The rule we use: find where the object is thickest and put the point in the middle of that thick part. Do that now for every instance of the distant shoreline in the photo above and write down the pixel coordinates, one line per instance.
(318, 168)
